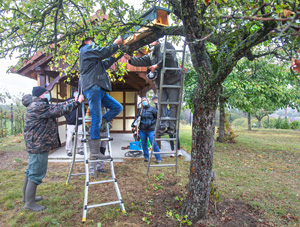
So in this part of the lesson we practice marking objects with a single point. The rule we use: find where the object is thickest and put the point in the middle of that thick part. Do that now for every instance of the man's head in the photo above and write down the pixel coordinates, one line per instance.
(88, 40)
(40, 92)
(155, 99)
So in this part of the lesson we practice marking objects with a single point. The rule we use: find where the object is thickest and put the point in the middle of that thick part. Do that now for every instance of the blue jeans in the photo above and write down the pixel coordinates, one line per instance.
(37, 167)
(99, 98)
(144, 139)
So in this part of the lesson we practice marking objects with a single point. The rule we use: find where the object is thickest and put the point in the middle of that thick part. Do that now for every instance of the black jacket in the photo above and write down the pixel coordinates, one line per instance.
(156, 57)
(71, 117)
(93, 63)
(148, 118)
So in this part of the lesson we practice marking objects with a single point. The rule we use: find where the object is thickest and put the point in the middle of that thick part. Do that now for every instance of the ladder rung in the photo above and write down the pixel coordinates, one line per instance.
(166, 139)
(103, 181)
(78, 161)
(164, 165)
(103, 204)
(77, 174)
(87, 120)
(169, 118)
(171, 86)
(172, 50)
(81, 133)
(101, 139)
(169, 68)
(170, 103)
(98, 160)
(107, 139)
(154, 153)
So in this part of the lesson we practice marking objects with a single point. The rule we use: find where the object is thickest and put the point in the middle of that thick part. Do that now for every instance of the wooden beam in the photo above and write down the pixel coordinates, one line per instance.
(55, 81)
(42, 77)
(156, 33)
(29, 69)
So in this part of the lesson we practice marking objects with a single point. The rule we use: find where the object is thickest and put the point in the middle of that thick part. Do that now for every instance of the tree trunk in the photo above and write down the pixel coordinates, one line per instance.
(259, 123)
(197, 200)
(249, 122)
(285, 113)
(221, 138)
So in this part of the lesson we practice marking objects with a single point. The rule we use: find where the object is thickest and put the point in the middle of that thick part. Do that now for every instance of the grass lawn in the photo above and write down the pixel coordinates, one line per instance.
(260, 172)
(262, 168)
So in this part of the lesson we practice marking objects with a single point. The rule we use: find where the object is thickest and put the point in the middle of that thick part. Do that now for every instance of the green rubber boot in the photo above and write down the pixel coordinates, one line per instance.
(37, 198)
(95, 150)
(30, 198)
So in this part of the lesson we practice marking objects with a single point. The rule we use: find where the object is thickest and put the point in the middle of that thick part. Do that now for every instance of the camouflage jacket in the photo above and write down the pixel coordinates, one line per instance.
(41, 130)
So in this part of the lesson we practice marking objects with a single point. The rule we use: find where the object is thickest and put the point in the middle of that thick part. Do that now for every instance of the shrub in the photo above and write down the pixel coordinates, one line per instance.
(243, 122)
(295, 125)
(265, 123)
(285, 124)
(240, 122)
(229, 136)
(272, 122)
(278, 123)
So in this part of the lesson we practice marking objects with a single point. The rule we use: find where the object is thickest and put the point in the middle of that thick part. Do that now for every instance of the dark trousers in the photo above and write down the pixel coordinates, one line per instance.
(172, 142)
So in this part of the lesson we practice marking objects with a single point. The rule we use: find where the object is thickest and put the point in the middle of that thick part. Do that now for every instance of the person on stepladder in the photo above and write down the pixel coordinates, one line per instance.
(155, 100)
(148, 117)
(41, 135)
(95, 81)
(71, 123)
(172, 77)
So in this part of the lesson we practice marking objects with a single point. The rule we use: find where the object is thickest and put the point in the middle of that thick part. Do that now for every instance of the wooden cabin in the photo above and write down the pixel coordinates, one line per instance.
(136, 83)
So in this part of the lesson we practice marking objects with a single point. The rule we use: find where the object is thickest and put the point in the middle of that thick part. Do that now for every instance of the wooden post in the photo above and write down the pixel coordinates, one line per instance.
(12, 119)
(41, 76)
(1, 128)
(23, 123)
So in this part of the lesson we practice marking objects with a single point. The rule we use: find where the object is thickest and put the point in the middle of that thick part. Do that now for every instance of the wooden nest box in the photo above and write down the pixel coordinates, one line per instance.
(156, 16)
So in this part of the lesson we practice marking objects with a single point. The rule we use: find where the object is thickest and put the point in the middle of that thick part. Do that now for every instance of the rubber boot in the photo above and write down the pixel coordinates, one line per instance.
(95, 150)
(37, 198)
(30, 198)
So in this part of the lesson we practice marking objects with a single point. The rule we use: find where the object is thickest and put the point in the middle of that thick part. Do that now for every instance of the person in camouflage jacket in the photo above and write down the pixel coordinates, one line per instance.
(41, 135)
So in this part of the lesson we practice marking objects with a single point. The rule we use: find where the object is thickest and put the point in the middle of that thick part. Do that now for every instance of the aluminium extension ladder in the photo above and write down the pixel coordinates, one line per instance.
(177, 103)
(87, 161)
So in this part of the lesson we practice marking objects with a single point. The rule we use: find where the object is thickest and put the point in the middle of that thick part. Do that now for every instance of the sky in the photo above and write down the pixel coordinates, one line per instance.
(14, 83)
